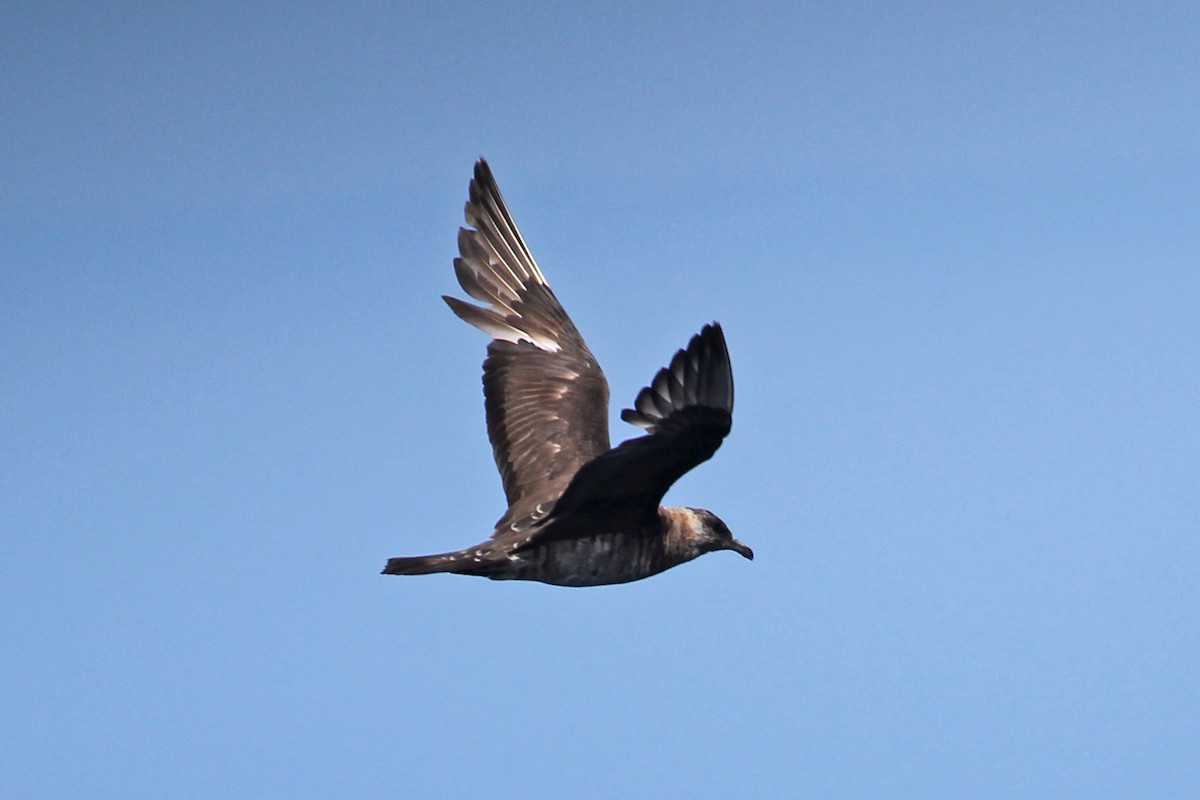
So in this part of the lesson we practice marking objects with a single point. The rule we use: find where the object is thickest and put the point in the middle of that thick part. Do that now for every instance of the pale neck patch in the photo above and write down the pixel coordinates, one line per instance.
(684, 530)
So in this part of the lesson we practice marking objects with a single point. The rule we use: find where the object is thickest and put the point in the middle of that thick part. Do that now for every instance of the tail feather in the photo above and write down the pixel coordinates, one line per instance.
(462, 562)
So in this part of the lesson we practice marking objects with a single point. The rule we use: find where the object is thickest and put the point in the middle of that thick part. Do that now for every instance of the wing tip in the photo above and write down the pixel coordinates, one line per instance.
(698, 375)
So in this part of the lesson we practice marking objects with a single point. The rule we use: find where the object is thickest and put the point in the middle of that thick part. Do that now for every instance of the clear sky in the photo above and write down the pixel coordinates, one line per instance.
(956, 252)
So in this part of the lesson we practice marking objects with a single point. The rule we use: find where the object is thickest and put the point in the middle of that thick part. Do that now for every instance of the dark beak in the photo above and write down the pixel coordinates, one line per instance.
(738, 547)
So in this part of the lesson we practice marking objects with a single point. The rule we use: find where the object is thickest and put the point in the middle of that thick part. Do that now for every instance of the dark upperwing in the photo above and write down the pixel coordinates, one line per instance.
(545, 396)
(687, 411)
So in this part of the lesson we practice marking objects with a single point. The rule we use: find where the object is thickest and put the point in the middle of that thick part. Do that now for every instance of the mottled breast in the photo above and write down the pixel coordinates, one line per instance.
(593, 560)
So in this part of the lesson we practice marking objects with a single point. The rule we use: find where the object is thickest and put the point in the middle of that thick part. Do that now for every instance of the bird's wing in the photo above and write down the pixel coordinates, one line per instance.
(687, 411)
(545, 396)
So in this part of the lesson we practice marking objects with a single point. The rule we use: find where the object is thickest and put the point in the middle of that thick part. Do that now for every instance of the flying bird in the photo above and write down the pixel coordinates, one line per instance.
(580, 512)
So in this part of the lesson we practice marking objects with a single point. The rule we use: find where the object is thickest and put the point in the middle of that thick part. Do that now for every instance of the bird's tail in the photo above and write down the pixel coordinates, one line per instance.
(461, 562)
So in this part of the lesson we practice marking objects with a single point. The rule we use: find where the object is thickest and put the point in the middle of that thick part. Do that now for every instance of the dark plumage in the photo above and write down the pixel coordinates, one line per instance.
(579, 512)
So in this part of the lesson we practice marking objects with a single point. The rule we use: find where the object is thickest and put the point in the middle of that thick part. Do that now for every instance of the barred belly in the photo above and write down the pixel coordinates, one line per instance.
(590, 561)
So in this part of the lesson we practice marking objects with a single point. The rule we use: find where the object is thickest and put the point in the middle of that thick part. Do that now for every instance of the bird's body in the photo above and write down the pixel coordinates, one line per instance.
(593, 555)
(580, 513)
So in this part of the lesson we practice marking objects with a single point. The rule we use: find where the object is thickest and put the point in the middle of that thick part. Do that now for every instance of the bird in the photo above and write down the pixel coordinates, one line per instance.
(580, 512)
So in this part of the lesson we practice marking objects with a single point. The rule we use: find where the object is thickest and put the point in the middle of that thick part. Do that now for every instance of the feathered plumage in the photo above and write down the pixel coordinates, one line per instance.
(579, 512)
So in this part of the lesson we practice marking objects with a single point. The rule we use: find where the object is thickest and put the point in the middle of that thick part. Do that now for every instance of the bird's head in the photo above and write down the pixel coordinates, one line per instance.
(713, 534)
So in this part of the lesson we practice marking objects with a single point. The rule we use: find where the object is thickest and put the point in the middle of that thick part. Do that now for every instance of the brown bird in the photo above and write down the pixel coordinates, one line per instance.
(580, 513)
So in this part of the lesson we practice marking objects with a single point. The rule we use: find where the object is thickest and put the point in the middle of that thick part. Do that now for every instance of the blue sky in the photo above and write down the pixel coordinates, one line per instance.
(955, 251)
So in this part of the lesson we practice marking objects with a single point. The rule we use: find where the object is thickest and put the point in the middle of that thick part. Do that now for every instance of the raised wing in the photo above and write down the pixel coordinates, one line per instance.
(545, 395)
(687, 410)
